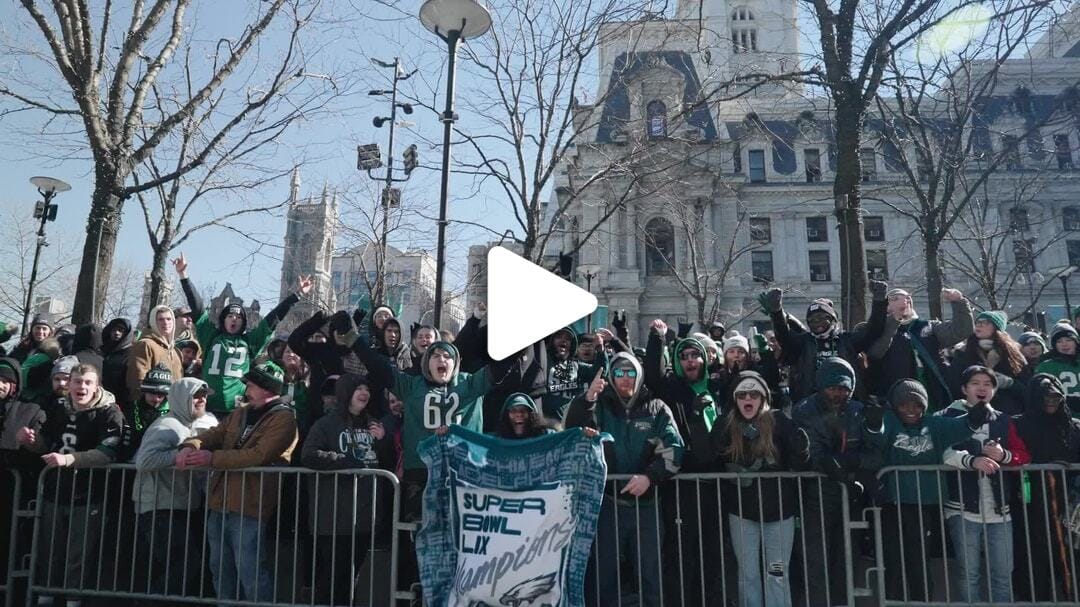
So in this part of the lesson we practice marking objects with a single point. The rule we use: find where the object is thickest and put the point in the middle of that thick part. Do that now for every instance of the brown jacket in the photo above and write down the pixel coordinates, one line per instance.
(270, 443)
(150, 350)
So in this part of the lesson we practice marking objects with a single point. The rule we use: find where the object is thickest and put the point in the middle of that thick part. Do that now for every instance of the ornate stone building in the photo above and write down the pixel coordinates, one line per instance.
(311, 224)
(750, 203)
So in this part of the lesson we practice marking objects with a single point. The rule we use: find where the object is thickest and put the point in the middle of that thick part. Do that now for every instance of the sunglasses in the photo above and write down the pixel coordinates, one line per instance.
(690, 355)
(631, 373)
(739, 395)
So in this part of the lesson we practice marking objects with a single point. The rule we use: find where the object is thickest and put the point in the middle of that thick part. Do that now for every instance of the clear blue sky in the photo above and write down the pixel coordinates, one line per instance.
(327, 146)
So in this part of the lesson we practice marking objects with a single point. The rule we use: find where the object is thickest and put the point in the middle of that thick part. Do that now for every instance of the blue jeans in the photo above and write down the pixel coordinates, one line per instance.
(237, 551)
(747, 538)
(968, 540)
(630, 533)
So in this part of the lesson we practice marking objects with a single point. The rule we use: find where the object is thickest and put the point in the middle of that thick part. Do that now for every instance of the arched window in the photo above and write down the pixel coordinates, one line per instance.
(743, 32)
(659, 247)
(656, 117)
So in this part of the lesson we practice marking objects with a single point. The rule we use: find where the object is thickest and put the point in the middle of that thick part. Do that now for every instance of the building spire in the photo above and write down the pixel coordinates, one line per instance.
(294, 189)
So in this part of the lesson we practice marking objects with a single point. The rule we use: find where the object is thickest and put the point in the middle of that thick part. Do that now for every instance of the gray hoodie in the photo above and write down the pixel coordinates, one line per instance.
(157, 485)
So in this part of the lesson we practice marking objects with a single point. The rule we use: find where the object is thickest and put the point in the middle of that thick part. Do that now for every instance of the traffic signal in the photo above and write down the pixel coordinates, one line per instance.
(410, 158)
(368, 157)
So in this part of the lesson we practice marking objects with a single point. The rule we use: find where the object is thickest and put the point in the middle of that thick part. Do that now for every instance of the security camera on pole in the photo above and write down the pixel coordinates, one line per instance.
(369, 158)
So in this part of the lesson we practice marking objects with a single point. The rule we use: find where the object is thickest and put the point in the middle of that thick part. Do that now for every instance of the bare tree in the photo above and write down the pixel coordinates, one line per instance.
(56, 268)
(856, 41)
(113, 87)
(938, 124)
(124, 295)
(528, 120)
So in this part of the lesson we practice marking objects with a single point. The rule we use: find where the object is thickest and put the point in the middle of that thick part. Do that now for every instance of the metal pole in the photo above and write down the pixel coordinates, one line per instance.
(448, 119)
(588, 287)
(37, 255)
(380, 286)
(1065, 289)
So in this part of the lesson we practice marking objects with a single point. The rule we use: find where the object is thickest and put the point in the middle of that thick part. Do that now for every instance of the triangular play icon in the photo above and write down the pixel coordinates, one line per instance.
(526, 303)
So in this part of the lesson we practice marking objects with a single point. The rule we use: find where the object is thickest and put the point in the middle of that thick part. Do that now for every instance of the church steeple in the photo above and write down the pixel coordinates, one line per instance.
(294, 186)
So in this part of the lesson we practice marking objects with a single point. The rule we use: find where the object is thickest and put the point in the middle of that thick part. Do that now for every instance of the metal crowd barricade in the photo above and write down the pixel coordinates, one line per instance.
(11, 500)
(681, 544)
(322, 538)
(928, 551)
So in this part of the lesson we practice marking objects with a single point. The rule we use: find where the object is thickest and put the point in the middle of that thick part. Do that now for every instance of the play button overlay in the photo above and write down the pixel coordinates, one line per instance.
(526, 303)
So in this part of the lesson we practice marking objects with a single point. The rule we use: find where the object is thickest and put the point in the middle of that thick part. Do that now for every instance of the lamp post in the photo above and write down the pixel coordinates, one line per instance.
(589, 271)
(453, 21)
(1063, 275)
(45, 211)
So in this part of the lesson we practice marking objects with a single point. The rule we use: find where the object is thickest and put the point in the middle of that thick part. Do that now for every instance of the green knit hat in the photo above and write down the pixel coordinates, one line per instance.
(267, 376)
(994, 317)
(519, 399)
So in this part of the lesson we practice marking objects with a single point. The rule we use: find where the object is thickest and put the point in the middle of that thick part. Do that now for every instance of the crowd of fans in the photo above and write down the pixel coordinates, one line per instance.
(193, 401)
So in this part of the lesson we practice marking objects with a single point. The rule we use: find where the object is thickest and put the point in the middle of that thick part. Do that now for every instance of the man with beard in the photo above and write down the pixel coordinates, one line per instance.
(835, 424)
(567, 377)
(689, 392)
(805, 352)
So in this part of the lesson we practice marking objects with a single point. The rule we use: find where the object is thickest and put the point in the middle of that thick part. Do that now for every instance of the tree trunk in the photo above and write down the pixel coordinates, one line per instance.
(848, 200)
(157, 274)
(102, 228)
(933, 277)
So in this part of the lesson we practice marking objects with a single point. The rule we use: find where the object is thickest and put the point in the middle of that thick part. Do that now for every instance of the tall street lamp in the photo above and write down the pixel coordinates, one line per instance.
(589, 271)
(1063, 275)
(45, 211)
(453, 21)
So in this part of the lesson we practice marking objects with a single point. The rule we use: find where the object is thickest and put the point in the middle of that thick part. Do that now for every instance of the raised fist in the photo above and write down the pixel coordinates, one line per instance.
(878, 289)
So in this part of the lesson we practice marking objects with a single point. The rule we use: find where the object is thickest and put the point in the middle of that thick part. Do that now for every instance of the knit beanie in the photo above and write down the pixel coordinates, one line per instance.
(267, 376)
(1063, 329)
(734, 340)
(40, 320)
(9, 373)
(835, 371)
(158, 380)
(908, 391)
(64, 364)
(821, 305)
(750, 381)
(1032, 337)
(994, 317)
(894, 292)
(519, 399)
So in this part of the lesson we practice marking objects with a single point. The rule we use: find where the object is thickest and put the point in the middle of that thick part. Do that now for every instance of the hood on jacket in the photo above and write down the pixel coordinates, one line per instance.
(626, 359)
(151, 326)
(425, 368)
(233, 308)
(87, 337)
(1062, 329)
(519, 399)
(102, 399)
(108, 345)
(701, 385)
(1038, 387)
(14, 367)
(550, 342)
(180, 396)
(343, 391)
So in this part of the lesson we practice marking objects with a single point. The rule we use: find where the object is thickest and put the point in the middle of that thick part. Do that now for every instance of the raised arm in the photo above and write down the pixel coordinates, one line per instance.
(298, 339)
(960, 325)
(863, 337)
(194, 301)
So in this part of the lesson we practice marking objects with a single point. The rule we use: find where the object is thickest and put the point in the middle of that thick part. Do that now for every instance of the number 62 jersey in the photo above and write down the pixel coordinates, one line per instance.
(429, 406)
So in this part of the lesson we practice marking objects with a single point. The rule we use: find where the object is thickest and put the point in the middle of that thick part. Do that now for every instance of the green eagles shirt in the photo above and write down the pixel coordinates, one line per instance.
(427, 407)
(1066, 371)
(226, 358)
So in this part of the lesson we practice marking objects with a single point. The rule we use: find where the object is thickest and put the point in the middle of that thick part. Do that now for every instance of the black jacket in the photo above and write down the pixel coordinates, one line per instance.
(115, 359)
(686, 407)
(801, 349)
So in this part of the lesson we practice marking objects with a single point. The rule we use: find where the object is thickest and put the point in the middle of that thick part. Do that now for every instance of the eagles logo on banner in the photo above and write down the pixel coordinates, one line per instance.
(508, 522)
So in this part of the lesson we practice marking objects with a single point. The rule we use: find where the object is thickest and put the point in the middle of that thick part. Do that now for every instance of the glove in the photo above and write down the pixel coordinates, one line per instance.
(978, 414)
(878, 289)
(343, 329)
(619, 324)
(358, 316)
(873, 414)
(772, 300)
(684, 328)
(702, 402)
(1003, 381)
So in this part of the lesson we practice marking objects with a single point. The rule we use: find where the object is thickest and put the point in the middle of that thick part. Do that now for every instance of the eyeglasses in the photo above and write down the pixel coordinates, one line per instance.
(631, 373)
(690, 355)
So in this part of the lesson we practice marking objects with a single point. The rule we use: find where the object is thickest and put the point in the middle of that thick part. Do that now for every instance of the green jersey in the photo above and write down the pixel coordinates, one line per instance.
(226, 358)
(427, 407)
(1065, 370)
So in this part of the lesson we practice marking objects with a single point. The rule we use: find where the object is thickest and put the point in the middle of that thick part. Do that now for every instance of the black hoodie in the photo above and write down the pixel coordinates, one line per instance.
(1049, 438)
(87, 345)
(16, 414)
(115, 359)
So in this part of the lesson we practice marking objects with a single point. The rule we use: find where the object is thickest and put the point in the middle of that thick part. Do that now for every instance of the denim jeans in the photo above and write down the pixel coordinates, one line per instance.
(631, 534)
(237, 551)
(747, 537)
(969, 540)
